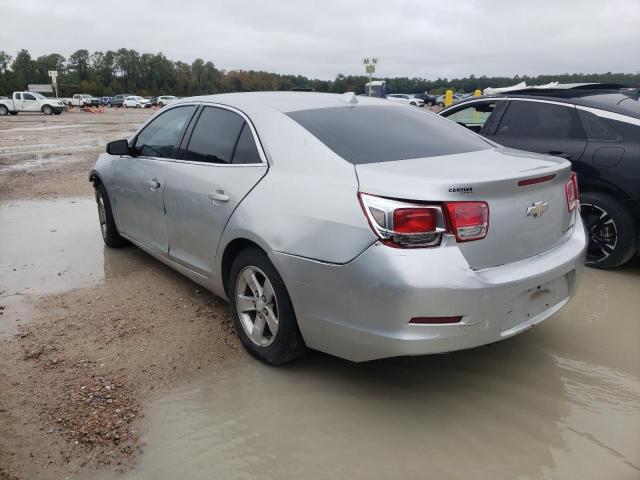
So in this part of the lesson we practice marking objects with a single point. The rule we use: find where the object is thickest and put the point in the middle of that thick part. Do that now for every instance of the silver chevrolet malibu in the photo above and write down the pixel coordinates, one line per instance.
(351, 225)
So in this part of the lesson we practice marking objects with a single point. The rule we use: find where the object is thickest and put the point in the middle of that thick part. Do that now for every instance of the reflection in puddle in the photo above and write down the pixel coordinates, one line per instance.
(51, 247)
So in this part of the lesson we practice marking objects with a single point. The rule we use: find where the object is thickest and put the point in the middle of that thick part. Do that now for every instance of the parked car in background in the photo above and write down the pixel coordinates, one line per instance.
(136, 101)
(30, 102)
(104, 101)
(596, 128)
(426, 98)
(152, 100)
(164, 100)
(397, 232)
(406, 99)
(118, 100)
(83, 100)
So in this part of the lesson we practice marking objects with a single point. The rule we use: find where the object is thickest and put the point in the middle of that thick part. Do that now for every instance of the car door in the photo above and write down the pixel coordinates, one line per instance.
(30, 103)
(221, 161)
(139, 180)
(542, 126)
(17, 101)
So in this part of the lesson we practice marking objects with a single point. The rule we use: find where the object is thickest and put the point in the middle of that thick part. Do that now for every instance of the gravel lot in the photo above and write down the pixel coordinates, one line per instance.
(113, 365)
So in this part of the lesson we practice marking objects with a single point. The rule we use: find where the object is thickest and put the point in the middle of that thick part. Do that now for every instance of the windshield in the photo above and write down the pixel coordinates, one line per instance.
(37, 95)
(370, 134)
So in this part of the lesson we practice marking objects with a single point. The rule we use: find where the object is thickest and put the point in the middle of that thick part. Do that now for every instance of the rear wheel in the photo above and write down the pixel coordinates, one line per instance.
(261, 309)
(3, 110)
(108, 227)
(611, 230)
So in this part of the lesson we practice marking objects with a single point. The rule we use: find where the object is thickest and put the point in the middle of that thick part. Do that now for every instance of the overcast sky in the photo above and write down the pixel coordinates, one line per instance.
(422, 38)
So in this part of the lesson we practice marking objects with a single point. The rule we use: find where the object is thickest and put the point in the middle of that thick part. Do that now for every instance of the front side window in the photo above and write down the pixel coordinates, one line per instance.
(376, 133)
(161, 137)
(540, 120)
(28, 96)
(215, 136)
(474, 116)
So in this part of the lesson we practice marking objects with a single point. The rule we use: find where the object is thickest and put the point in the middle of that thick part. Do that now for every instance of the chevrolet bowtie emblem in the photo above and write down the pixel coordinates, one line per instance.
(537, 209)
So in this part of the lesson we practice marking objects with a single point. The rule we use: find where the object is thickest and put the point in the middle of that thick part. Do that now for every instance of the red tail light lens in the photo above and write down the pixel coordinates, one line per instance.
(415, 220)
(404, 224)
(469, 220)
(572, 193)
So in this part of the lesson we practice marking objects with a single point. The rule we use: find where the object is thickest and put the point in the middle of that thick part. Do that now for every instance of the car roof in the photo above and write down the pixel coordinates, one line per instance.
(610, 99)
(285, 102)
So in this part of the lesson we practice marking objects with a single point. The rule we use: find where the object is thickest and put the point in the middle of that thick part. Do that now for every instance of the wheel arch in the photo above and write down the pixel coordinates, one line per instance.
(231, 251)
(598, 186)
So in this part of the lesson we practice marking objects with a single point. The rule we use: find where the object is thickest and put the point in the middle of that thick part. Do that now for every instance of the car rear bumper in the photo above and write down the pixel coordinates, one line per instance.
(361, 310)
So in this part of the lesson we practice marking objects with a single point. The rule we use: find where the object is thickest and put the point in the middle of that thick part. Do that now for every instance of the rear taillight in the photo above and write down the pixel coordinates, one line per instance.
(469, 220)
(572, 193)
(406, 224)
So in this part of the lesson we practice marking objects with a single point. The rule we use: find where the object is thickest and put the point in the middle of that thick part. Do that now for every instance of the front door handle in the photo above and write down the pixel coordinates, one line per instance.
(153, 185)
(219, 196)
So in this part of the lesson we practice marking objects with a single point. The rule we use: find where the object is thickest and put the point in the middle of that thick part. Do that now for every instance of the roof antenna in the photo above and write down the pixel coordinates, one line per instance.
(349, 97)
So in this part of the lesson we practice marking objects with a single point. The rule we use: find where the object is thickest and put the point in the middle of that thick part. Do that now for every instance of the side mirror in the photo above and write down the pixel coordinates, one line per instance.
(118, 147)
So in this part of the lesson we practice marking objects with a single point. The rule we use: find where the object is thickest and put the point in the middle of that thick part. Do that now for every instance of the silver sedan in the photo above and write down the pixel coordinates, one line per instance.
(350, 225)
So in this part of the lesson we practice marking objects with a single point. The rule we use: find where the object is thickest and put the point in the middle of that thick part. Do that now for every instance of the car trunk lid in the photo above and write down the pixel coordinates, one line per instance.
(524, 191)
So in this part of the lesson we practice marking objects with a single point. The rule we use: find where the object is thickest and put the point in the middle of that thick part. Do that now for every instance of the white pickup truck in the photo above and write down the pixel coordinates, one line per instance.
(82, 100)
(30, 102)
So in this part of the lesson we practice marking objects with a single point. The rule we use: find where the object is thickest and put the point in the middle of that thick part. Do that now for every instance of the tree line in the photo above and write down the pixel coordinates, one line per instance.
(127, 71)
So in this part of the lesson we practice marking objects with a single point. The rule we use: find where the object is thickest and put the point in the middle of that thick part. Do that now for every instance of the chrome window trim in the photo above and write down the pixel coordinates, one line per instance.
(256, 138)
(610, 115)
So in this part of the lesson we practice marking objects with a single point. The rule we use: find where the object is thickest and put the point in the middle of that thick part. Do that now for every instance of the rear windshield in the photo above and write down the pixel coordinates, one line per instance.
(377, 133)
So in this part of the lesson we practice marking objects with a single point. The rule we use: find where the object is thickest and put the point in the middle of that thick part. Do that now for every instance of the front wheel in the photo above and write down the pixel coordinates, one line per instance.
(261, 309)
(108, 227)
(611, 230)
(47, 110)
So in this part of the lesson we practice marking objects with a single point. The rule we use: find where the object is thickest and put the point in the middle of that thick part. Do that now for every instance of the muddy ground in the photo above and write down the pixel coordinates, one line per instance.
(113, 365)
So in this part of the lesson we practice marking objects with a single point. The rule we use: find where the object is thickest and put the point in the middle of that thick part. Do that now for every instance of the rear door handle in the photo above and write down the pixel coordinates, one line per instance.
(153, 185)
(219, 196)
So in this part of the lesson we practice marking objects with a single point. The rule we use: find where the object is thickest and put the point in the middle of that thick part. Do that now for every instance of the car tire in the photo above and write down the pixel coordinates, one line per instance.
(611, 230)
(413, 104)
(4, 111)
(160, 105)
(108, 227)
(251, 274)
(47, 110)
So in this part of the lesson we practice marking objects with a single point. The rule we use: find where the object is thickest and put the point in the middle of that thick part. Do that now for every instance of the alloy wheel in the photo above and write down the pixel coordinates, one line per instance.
(602, 231)
(102, 216)
(257, 306)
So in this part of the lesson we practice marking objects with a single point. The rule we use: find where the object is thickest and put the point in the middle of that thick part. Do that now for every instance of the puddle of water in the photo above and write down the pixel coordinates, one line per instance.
(46, 127)
(50, 247)
(557, 402)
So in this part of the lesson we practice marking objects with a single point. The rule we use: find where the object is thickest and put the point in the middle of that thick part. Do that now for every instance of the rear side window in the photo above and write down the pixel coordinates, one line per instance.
(377, 133)
(246, 150)
(540, 120)
(161, 136)
(215, 136)
(596, 128)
